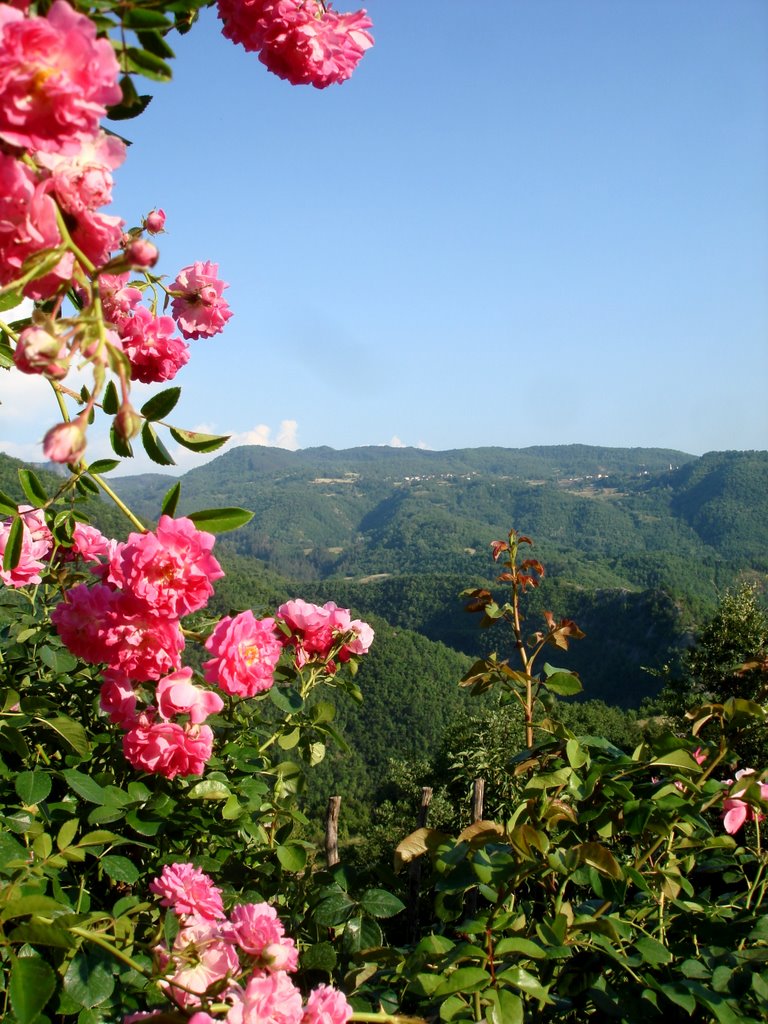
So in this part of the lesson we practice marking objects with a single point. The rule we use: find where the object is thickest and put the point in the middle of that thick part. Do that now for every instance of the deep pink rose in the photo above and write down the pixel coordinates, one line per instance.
(27, 218)
(176, 694)
(154, 222)
(36, 544)
(198, 308)
(737, 812)
(118, 699)
(188, 891)
(83, 180)
(90, 543)
(155, 353)
(254, 926)
(164, 748)
(246, 652)
(56, 79)
(170, 569)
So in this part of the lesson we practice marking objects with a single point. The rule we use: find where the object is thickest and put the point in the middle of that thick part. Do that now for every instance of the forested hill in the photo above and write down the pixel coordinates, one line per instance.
(638, 543)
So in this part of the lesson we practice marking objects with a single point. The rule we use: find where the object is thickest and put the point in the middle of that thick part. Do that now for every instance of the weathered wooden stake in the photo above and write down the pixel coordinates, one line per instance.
(332, 831)
(478, 799)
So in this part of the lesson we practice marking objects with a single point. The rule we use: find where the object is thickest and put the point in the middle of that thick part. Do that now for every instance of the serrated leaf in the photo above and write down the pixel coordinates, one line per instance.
(197, 442)
(219, 520)
(110, 402)
(320, 957)
(137, 18)
(463, 979)
(32, 787)
(70, 731)
(31, 985)
(120, 869)
(678, 759)
(131, 104)
(101, 466)
(10, 300)
(209, 789)
(564, 684)
(154, 447)
(67, 833)
(380, 903)
(334, 909)
(26, 905)
(161, 404)
(85, 786)
(120, 446)
(8, 506)
(147, 64)
(292, 857)
(171, 500)
(13, 544)
(89, 980)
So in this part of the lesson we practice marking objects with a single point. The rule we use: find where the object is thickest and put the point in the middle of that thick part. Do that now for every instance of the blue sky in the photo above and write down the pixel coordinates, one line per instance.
(519, 223)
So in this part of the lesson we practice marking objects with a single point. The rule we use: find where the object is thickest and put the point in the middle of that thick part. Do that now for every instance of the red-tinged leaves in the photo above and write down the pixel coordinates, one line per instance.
(480, 600)
(497, 548)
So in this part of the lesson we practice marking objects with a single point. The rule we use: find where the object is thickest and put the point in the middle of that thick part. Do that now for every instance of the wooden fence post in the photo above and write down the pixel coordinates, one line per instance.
(478, 799)
(332, 831)
(414, 869)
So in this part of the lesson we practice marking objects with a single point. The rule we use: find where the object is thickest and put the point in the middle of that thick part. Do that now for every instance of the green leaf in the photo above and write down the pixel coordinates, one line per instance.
(59, 659)
(293, 858)
(85, 786)
(89, 980)
(333, 909)
(564, 684)
(32, 487)
(137, 18)
(380, 903)
(10, 300)
(8, 506)
(147, 64)
(526, 982)
(320, 957)
(120, 446)
(209, 789)
(523, 946)
(155, 43)
(32, 787)
(13, 544)
(67, 833)
(197, 442)
(102, 466)
(286, 698)
(120, 869)
(31, 986)
(598, 857)
(161, 404)
(38, 934)
(131, 104)
(110, 402)
(26, 905)
(506, 1008)
(171, 500)
(154, 447)
(219, 520)
(463, 979)
(70, 731)
(653, 952)
(678, 759)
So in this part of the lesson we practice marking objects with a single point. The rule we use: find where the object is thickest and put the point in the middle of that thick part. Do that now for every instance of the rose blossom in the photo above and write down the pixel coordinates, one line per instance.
(255, 926)
(39, 351)
(118, 699)
(155, 353)
(90, 543)
(177, 695)
(154, 222)
(326, 1005)
(164, 748)
(65, 442)
(27, 219)
(246, 651)
(170, 569)
(188, 890)
(83, 180)
(142, 253)
(736, 812)
(199, 310)
(270, 998)
(56, 79)
(204, 960)
(118, 298)
(36, 543)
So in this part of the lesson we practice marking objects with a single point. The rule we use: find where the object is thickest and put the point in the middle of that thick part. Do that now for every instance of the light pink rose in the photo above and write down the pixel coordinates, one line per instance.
(246, 652)
(271, 998)
(202, 958)
(737, 812)
(36, 543)
(90, 543)
(65, 442)
(56, 79)
(118, 298)
(188, 891)
(199, 309)
(83, 180)
(39, 351)
(164, 748)
(326, 1005)
(254, 926)
(177, 695)
(142, 253)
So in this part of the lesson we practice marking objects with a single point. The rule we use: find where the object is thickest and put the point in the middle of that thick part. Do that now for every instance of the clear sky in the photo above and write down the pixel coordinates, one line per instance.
(521, 222)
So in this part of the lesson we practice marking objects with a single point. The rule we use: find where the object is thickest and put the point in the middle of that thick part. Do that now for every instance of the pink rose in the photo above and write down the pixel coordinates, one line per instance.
(170, 569)
(155, 353)
(737, 812)
(198, 308)
(154, 222)
(38, 351)
(36, 544)
(118, 699)
(27, 217)
(56, 79)
(326, 1005)
(177, 695)
(254, 926)
(271, 998)
(142, 253)
(164, 748)
(65, 442)
(188, 891)
(246, 652)
(83, 180)
(90, 543)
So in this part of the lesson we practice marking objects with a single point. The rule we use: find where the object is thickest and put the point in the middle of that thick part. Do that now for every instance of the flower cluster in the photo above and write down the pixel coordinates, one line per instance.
(131, 622)
(36, 545)
(244, 958)
(323, 635)
(57, 79)
(305, 42)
